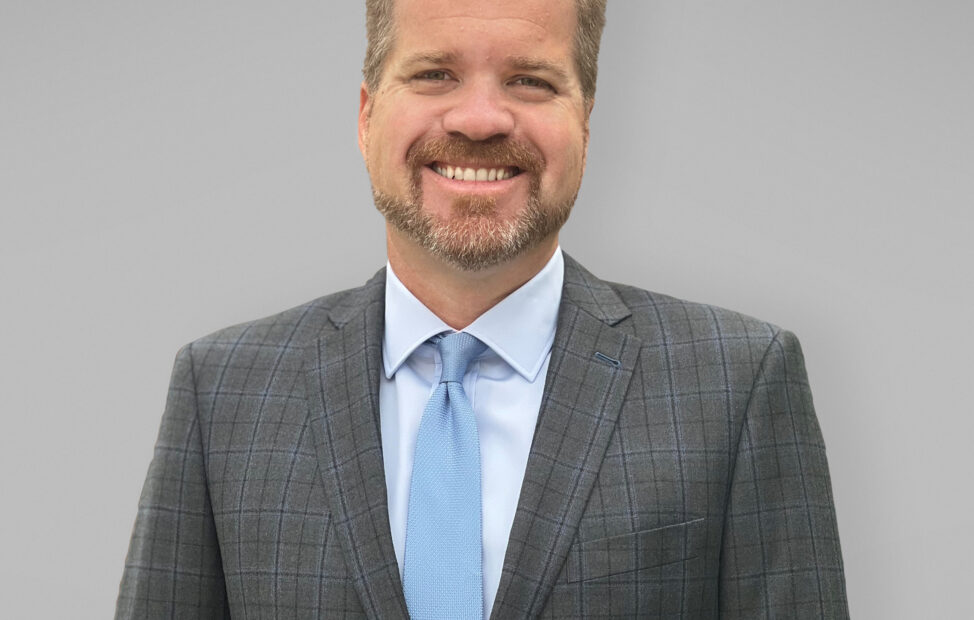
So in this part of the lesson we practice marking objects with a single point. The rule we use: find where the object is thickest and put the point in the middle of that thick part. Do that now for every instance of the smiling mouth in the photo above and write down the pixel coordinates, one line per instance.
(464, 173)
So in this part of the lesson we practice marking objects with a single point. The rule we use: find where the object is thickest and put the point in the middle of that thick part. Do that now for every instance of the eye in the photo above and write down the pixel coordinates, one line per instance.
(434, 75)
(532, 82)
(432, 81)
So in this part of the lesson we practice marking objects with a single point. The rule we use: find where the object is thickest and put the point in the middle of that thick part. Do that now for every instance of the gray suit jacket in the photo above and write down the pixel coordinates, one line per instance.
(677, 471)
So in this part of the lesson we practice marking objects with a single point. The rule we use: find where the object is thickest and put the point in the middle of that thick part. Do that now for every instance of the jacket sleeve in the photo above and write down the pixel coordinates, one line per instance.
(173, 567)
(781, 555)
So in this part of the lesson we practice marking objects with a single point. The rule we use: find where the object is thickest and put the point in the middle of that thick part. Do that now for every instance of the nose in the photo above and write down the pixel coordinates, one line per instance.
(479, 113)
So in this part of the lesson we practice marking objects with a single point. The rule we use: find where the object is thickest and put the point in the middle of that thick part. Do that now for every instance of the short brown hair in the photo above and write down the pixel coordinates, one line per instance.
(380, 32)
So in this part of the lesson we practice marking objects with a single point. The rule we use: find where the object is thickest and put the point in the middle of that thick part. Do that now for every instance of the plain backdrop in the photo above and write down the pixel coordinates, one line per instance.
(170, 168)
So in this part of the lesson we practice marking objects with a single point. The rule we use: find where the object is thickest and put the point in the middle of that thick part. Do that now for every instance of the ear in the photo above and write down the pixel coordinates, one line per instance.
(589, 105)
(364, 109)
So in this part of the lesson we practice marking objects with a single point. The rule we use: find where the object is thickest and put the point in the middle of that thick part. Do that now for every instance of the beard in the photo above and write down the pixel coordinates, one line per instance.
(475, 236)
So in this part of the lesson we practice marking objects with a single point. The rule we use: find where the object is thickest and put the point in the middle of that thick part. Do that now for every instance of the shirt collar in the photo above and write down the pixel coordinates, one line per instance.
(520, 328)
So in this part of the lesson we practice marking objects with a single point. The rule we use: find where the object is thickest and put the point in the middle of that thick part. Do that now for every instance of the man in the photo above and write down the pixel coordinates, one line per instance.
(485, 428)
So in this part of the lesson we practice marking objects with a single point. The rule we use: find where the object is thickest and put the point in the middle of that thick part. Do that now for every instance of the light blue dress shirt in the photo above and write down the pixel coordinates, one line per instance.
(504, 385)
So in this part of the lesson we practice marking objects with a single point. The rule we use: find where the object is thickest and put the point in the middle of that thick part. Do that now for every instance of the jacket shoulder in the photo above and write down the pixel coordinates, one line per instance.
(279, 334)
(679, 321)
(659, 319)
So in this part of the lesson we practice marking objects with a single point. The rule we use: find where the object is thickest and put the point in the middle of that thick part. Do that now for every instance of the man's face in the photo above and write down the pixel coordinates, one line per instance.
(475, 141)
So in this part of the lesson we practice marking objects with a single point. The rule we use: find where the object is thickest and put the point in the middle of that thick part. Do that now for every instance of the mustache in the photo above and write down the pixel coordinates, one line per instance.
(499, 150)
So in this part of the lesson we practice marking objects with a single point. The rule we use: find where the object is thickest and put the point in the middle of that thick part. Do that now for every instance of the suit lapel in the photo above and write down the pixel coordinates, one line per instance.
(592, 362)
(342, 378)
(591, 365)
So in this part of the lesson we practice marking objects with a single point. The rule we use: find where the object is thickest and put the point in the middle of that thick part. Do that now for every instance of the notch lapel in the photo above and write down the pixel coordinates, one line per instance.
(592, 362)
(342, 376)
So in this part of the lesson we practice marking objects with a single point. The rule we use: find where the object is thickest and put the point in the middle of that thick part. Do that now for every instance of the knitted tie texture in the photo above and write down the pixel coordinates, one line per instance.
(442, 570)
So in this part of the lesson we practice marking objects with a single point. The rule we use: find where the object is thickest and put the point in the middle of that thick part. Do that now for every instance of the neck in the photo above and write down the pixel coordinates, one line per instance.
(455, 295)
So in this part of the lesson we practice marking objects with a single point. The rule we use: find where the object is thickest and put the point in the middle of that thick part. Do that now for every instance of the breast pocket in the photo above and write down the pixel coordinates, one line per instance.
(625, 553)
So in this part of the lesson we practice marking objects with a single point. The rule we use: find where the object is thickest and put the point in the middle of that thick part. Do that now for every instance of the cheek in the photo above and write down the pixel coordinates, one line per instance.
(403, 124)
(564, 152)
(383, 143)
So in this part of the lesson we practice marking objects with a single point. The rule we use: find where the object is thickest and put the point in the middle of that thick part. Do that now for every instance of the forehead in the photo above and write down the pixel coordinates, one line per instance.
(524, 23)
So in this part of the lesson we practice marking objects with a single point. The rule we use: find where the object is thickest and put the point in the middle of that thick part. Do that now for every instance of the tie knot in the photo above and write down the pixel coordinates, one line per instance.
(456, 351)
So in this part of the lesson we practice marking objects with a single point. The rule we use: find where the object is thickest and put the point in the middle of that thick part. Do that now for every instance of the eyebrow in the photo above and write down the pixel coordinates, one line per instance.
(432, 58)
(529, 63)
(521, 63)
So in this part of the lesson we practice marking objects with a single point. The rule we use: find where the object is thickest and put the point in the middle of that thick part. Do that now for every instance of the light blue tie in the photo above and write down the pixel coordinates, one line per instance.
(443, 567)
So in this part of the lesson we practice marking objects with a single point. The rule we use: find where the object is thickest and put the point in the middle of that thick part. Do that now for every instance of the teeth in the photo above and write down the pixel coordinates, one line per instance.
(471, 174)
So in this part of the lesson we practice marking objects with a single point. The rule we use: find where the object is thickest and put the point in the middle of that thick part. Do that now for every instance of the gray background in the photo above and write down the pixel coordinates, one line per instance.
(172, 168)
